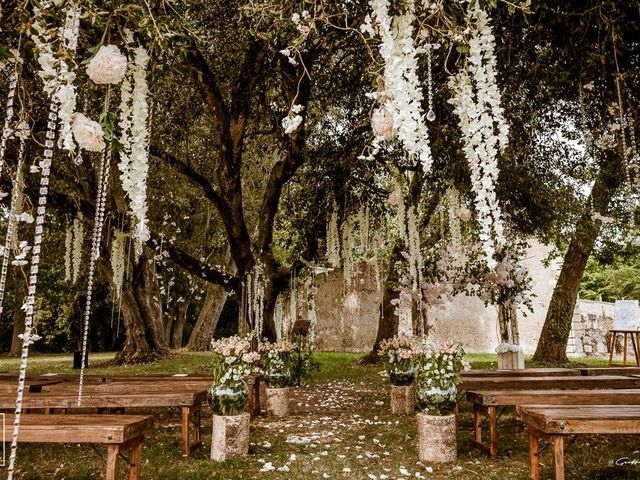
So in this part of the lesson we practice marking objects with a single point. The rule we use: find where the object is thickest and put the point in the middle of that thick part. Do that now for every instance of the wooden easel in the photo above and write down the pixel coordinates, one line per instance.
(634, 334)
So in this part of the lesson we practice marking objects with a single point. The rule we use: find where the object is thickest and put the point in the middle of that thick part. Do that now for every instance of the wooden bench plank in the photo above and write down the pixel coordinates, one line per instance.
(537, 383)
(107, 400)
(610, 371)
(554, 397)
(527, 372)
(79, 428)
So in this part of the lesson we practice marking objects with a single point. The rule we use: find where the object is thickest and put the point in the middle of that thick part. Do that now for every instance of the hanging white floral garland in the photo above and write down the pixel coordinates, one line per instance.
(401, 101)
(347, 251)
(18, 183)
(6, 130)
(333, 238)
(78, 240)
(278, 318)
(415, 249)
(68, 252)
(134, 161)
(312, 316)
(255, 300)
(66, 93)
(476, 101)
(455, 230)
(118, 260)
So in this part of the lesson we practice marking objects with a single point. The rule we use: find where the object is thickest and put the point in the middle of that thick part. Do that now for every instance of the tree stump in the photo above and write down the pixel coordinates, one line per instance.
(277, 402)
(510, 361)
(437, 438)
(403, 400)
(230, 436)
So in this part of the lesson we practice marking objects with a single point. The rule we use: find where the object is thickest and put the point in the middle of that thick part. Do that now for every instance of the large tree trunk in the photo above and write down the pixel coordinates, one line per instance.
(552, 346)
(145, 338)
(214, 301)
(178, 325)
(205, 326)
(18, 314)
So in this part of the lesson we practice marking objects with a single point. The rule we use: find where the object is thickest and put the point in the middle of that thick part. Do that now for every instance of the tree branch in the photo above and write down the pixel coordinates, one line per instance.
(200, 269)
(192, 175)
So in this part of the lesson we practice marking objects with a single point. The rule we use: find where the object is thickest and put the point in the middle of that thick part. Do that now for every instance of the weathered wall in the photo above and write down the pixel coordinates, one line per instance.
(348, 320)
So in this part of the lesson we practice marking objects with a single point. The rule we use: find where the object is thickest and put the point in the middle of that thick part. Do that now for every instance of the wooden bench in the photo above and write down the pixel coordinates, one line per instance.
(487, 402)
(118, 432)
(610, 371)
(544, 383)
(189, 403)
(526, 372)
(552, 423)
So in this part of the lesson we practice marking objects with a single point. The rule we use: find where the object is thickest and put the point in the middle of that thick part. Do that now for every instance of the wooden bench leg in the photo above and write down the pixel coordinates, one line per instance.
(634, 344)
(477, 423)
(534, 456)
(493, 432)
(185, 431)
(612, 347)
(558, 457)
(136, 457)
(624, 351)
(113, 449)
(197, 421)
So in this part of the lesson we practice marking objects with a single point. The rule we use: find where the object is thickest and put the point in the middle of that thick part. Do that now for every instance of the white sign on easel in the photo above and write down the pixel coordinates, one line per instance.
(627, 315)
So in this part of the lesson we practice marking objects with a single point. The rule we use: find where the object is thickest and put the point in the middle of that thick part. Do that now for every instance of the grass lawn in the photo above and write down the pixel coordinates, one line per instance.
(340, 428)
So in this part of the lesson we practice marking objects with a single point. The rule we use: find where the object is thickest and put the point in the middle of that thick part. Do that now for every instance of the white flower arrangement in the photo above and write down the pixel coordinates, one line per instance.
(476, 101)
(87, 133)
(509, 347)
(402, 96)
(108, 66)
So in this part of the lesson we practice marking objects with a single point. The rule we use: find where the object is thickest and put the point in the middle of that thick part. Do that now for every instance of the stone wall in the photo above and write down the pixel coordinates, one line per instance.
(348, 319)
(591, 322)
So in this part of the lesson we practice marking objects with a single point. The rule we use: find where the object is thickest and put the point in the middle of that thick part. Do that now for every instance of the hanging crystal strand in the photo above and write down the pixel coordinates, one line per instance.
(431, 116)
(6, 130)
(45, 165)
(11, 225)
(105, 165)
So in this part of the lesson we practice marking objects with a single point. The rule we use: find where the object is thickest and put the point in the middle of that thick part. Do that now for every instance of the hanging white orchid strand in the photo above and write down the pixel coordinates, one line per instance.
(118, 261)
(6, 130)
(78, 240)
(66, 93)
(476, 101)
(402, 96)
(134, 161)
(68, 246)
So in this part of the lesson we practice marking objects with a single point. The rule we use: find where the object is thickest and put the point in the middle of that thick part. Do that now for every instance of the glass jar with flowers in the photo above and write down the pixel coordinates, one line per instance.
(276, 361)
(437, 376)
(399, 351)
(233, 360)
